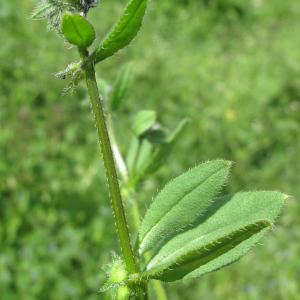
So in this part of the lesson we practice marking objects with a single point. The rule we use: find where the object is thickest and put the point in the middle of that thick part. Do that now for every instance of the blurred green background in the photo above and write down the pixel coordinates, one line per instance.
(231, 66)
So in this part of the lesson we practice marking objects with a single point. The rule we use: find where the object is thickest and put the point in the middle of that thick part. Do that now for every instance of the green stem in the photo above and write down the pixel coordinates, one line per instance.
(130, 196)
(111, 173)
(159, 290)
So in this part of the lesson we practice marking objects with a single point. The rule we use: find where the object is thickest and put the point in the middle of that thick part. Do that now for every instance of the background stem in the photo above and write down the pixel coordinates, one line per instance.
(158, 288)
(120, 163)
(113, 184)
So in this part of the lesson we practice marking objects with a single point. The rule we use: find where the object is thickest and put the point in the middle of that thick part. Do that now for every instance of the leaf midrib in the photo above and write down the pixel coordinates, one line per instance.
(181, 199)
(168, 256)
(77, 31)
(242, 230)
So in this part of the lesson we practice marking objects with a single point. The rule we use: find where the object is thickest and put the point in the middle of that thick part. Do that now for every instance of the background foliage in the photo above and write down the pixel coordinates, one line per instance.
(231, 66)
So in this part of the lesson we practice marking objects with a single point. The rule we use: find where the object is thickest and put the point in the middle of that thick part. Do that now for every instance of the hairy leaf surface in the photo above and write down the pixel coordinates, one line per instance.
(123, 32)
(228, 230)
(181, 202)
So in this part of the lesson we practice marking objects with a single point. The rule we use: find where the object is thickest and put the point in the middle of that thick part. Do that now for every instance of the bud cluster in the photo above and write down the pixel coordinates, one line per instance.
(117, 280)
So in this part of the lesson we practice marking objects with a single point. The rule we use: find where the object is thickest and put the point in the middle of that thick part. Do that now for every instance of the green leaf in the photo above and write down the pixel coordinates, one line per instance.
(228, 230)
(161, 153)
(104, 88)
(144, 153)
(155, 146)
(143, 121)
(120, 88)
(132, 153)
(181, 202)
(77, 30)
(123, 32)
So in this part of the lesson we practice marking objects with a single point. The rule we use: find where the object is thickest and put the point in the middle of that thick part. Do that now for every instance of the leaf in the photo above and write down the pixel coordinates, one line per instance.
(181, 202)
(132, 154)
(143, 121)
(77, 30)
(152, 151)
(123, 32)
(229, 229)
(160, 155)
(120, 88)
(144, 153)
(104, 88)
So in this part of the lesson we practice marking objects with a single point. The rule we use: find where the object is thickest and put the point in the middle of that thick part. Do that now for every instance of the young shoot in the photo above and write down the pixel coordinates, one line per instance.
(189, 230)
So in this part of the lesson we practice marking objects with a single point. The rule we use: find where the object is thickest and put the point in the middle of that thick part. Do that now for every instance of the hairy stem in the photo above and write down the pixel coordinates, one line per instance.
(109, 163)
(158, 288)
